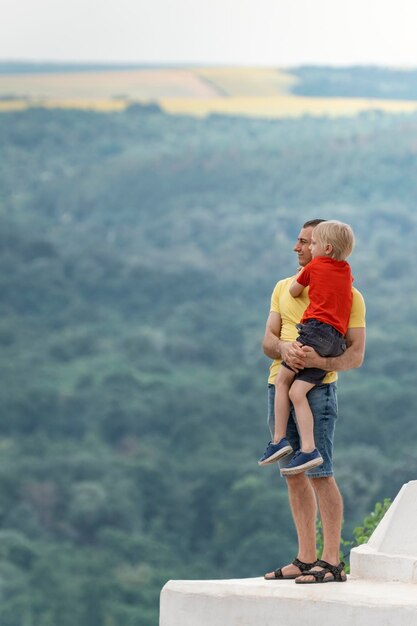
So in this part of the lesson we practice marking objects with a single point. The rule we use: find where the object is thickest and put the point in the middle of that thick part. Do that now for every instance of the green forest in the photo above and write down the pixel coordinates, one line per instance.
(356, 82)
(138, 253)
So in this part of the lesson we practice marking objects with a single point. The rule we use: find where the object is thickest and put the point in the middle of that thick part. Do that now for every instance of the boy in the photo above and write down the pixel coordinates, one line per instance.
(323, 327)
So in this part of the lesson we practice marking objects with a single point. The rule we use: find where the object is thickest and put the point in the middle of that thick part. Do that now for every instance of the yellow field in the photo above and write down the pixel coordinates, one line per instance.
(249, 82)
(127, 84)
(255, 92)
(284, 106)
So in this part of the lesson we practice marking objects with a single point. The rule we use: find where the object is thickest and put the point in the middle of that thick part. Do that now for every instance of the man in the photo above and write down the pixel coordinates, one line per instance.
(316, 487)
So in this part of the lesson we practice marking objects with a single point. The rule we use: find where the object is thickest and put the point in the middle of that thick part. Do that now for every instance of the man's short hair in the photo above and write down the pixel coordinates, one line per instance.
(339, 235)
(313, 223)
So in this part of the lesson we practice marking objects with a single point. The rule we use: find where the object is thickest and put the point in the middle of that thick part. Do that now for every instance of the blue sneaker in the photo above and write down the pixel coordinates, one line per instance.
(275, 451)
(301, 462)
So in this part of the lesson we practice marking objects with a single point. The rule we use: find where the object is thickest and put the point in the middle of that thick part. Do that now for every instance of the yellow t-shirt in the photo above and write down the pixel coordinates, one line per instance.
(291, 311)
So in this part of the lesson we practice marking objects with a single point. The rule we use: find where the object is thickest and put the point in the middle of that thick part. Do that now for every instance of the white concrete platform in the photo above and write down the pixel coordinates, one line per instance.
(382, 590)
(257, 602)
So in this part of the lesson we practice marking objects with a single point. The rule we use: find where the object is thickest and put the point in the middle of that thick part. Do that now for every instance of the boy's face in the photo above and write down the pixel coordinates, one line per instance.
(319, 249)
(302, 246)
(316, 248)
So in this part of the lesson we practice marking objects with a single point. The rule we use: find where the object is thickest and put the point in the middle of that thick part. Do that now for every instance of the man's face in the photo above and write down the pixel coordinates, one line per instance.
(302, 246)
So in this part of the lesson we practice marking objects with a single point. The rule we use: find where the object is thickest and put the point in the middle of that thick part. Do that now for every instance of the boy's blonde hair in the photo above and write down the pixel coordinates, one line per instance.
(339, 235)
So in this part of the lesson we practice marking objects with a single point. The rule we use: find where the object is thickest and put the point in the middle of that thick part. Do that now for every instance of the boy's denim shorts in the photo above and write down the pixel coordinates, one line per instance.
(323, 404)
(325, 339)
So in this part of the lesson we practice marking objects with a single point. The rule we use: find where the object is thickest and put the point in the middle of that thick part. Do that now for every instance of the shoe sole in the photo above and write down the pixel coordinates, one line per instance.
(276, 456)
(301, 468)
(284, 577)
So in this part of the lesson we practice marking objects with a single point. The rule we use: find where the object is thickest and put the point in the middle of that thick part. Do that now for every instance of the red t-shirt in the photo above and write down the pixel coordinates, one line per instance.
(330, 291)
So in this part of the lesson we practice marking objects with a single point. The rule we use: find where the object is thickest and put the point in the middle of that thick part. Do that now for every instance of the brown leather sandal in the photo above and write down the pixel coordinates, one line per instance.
(303, 567)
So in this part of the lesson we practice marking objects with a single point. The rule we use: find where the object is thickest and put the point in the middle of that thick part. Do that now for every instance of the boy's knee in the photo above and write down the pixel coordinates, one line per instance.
(295, 394)
(282, 386)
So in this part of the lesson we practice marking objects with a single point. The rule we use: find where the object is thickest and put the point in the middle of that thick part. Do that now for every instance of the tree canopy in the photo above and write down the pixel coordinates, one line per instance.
(138, 253)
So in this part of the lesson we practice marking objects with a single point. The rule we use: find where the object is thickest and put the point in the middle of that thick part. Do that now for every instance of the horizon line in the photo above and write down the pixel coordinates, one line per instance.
(193, 64)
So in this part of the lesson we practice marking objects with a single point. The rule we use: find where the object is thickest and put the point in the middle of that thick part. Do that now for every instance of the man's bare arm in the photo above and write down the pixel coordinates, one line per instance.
(304, 356)
(272, 345)
(271, 341)
(354, 354)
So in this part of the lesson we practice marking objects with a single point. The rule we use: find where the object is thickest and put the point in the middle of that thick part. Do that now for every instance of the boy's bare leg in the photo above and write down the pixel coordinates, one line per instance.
(304, 511)
(283, 382)
(331, 512)
(305, 420)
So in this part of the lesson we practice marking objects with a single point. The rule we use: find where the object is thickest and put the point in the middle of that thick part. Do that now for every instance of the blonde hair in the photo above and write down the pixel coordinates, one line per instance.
(339, 235)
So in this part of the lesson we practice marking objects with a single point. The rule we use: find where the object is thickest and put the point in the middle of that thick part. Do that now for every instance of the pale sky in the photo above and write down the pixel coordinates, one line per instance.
(239, 32)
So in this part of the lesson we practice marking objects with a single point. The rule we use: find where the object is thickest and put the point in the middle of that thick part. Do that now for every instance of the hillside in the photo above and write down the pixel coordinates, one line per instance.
(139, 251)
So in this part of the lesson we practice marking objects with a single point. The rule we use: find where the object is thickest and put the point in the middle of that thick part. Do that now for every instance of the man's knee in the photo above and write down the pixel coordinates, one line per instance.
(322, 482)
(326, 488)
(298, 482)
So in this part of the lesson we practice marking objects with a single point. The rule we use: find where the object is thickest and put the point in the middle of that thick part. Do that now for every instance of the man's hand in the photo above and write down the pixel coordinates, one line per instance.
(306, 356)
(299, 357)
(294, 355)
(312, 358)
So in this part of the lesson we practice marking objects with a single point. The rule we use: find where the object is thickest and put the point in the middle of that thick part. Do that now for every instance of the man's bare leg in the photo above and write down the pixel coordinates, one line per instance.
(304, 511)
(330, 505)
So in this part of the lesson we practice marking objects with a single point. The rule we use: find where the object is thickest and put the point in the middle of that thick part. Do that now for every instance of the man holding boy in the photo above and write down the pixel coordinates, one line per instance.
(316, 487)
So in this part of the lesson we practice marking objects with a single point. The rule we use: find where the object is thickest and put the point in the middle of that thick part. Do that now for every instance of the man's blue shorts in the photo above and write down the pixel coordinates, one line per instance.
(323, 404)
